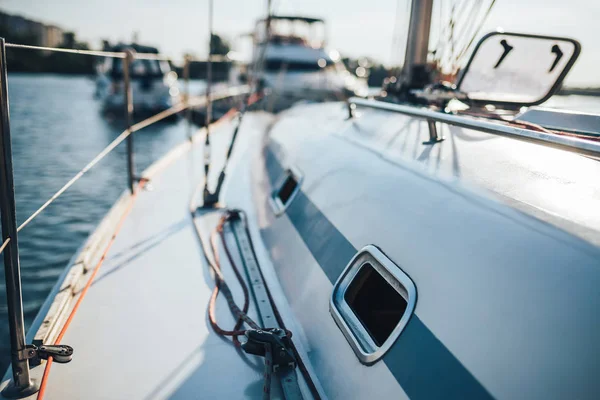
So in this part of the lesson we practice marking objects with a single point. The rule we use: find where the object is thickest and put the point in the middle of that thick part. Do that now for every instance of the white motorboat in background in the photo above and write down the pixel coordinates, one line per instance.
(153, 82)
(297, 65)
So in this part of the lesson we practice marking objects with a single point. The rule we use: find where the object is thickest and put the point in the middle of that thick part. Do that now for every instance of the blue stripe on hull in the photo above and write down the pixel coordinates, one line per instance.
(419, 361)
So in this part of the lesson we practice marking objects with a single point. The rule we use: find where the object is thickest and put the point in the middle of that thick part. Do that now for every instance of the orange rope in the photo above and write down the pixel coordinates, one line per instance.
(85, 290)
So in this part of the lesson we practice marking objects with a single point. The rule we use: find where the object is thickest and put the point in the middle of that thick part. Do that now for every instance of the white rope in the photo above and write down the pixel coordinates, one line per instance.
(6, 242)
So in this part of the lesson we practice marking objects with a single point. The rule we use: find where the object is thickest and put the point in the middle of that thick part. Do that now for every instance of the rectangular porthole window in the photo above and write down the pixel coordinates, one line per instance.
(376, 304)
(371, 303)
(284, 193)
(287, 189)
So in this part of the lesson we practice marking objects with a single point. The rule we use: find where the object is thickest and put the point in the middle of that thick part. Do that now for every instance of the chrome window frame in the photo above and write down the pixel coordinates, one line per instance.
(278, 207)
(360, 340)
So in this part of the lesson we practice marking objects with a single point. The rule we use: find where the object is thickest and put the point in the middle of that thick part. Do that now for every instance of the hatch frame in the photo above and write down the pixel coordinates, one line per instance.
(276, 204)
(356, 334)
(515, 104)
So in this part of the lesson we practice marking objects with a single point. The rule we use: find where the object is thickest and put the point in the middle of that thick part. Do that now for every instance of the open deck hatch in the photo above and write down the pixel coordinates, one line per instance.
(372, 302)
(516, 69)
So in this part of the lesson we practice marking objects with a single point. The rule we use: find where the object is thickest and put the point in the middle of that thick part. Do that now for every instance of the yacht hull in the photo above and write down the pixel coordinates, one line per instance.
(507, 293)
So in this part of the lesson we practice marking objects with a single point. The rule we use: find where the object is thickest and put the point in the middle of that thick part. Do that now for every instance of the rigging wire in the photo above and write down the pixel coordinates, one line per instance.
(451, 26)
(259, 61)
(253, 96)
(440, 31)
(465, 20)
(462, 18)
(466, 23)
(476, 32)
(208, 103)
(395, 50)
(402, 37)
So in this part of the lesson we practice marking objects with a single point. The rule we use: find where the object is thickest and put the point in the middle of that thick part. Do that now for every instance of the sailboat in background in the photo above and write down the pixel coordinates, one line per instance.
(439, 241)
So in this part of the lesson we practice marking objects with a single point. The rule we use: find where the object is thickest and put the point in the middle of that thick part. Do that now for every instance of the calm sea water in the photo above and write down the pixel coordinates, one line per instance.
(56, 129)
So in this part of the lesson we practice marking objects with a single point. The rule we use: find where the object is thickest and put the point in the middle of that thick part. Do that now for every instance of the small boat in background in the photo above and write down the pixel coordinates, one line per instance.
(296, 65)
(153, 82)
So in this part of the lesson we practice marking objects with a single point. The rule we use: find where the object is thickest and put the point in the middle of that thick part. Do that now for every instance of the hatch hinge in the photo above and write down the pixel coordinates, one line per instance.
(277, 338)
(60, 353)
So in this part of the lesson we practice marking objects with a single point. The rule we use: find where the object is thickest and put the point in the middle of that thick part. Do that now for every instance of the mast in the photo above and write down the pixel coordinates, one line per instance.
(415, 74)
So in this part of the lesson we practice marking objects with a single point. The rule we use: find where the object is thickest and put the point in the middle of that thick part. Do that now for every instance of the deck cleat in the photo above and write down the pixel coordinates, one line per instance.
(280, 344)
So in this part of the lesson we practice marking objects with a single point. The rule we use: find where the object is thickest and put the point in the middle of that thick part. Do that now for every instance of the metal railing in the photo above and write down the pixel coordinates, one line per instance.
(22, 384)
(575, 145)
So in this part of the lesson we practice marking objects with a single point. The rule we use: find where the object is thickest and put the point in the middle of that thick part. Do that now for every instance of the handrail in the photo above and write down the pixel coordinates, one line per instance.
(568, 143)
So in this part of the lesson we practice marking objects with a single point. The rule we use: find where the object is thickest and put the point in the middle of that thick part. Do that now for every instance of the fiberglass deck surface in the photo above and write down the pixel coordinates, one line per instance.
(142, 330)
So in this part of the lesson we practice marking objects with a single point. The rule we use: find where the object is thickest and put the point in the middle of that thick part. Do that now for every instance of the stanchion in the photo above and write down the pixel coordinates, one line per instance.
(22, 385)
(129, 118)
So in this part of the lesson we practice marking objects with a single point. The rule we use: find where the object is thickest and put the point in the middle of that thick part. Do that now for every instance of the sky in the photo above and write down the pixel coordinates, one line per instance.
(355, 27)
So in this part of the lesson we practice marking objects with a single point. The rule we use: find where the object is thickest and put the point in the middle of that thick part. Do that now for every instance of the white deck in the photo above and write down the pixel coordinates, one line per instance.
(142, 330)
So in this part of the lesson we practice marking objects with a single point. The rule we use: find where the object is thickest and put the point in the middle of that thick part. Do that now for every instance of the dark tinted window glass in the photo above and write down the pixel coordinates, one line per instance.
(287, 189)
(375, 303)
(292, 66)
